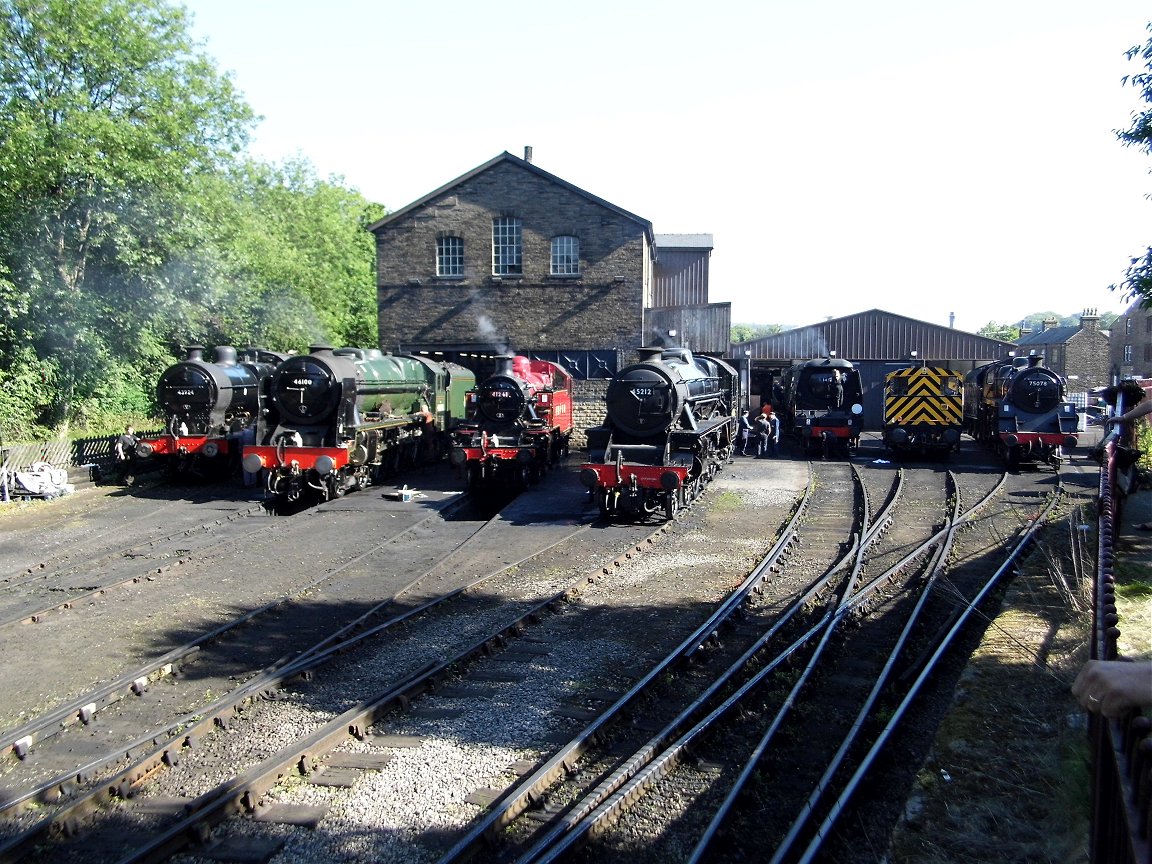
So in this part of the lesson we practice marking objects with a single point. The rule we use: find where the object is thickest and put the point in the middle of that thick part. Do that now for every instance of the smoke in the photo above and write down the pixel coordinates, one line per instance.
(487, 332)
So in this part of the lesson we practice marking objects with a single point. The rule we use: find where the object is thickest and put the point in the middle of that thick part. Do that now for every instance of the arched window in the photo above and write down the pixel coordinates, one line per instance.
(565, 255)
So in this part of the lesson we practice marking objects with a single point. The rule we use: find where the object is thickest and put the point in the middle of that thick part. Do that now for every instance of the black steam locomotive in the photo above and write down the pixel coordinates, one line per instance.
(208, 407)
(670, 425)
(1019, 407)
(823, 407)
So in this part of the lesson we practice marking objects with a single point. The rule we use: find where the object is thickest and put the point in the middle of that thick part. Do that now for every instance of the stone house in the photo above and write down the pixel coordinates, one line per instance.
(1131, 344)
(1079, 353)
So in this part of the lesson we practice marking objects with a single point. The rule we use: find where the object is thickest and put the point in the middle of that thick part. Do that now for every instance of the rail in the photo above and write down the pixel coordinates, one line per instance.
(1120, 750)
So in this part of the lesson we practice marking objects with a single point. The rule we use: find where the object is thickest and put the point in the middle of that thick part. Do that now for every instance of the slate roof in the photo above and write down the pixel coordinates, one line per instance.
(1051, 336)
(528, 166)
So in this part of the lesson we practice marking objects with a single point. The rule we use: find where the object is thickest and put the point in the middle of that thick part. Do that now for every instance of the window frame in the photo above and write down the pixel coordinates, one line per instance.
(564, 258)
(444, 257)
(507, 246)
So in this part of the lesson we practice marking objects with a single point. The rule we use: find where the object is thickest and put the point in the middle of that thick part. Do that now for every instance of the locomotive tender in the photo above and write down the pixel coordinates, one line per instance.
(208, 406)
(670, 425)
(923, 410)
(520, 423)
(823, 407)
(1019, 407)
(341, 419)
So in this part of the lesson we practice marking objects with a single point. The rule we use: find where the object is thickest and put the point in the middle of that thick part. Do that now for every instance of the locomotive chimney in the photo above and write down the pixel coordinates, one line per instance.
(504, 364)
(195, 352)
(648, 354)
(225, 355)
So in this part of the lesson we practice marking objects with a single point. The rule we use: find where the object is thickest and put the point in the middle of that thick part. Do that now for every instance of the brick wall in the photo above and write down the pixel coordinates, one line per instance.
(601, 308)
(1086, 355)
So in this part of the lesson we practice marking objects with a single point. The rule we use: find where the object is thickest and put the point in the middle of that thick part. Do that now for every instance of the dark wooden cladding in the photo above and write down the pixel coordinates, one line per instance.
(680, 278)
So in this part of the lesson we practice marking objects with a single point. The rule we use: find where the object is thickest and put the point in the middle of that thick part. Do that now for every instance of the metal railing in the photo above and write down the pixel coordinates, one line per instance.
(1121, 750)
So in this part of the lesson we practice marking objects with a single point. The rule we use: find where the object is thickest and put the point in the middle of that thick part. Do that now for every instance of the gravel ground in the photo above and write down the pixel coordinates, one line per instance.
(408, 811)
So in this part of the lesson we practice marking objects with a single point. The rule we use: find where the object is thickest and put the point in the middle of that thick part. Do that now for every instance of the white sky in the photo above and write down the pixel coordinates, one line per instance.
(921, 157)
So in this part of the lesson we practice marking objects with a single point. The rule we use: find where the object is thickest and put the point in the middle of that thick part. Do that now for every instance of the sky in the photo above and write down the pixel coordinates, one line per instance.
(956, 163)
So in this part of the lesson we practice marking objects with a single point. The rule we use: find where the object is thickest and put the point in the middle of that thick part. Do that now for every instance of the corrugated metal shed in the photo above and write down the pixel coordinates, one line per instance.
(680, 275)
(874, 335)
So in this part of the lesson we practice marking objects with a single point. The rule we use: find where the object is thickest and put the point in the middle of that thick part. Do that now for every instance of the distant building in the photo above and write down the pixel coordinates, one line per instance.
(1131, 344)
(1079, 353)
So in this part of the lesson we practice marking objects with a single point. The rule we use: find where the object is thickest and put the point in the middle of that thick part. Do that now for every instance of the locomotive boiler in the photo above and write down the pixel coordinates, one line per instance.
(670, 424)
(823, 408)
(1019, 407)
(209, 407)
(519, 423)
(342, 419)
(923, 410)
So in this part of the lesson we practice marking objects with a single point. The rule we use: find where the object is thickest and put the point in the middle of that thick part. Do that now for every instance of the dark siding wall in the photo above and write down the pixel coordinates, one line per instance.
(601, 308)
(680, 278)
(704, 329)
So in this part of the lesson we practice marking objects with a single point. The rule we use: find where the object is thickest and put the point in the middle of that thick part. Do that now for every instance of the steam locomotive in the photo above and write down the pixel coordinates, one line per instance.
(1019, 407)
(670, 425)
(923, 410)
(340, 420)
(208, 406)
(823, 407)
(520, 423)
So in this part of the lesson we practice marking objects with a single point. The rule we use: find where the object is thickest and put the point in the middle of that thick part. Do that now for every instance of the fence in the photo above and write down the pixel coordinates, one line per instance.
(1121, 751)
(81, 454)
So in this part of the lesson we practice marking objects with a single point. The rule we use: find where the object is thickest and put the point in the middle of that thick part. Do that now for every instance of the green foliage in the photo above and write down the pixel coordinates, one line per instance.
(747, 332)
(1137, 284)
(1003, 332)
(298, 260)
(130, 225)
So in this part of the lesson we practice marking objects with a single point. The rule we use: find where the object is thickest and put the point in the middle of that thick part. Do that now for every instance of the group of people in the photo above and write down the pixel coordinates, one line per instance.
(763, 432)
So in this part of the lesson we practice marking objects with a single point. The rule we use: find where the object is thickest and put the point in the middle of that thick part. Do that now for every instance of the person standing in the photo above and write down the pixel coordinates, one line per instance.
(763, 428)
(126, 455)
(773, 433)
(745, 432)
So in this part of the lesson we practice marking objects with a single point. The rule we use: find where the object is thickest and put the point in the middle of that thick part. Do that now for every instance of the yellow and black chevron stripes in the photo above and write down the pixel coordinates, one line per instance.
(923, 395)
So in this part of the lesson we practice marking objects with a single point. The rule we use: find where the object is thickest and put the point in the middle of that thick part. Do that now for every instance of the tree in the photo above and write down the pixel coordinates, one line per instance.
(109, 124)
(747, 332)
(1003, 332)
(298, 259)
(1138, 279)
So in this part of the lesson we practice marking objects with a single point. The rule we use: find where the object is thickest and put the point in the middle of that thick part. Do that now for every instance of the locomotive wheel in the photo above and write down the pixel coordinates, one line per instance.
(671, 505)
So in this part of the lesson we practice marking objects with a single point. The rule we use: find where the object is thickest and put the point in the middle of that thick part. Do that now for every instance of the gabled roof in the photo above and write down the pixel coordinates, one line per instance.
(527, 166)
(1051, 336)
(874, 335)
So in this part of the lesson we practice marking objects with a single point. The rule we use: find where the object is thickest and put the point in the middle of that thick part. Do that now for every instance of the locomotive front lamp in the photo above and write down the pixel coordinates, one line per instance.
(211, 449)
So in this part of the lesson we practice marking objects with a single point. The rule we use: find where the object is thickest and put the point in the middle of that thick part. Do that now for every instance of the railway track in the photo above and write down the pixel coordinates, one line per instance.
(513, 711)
